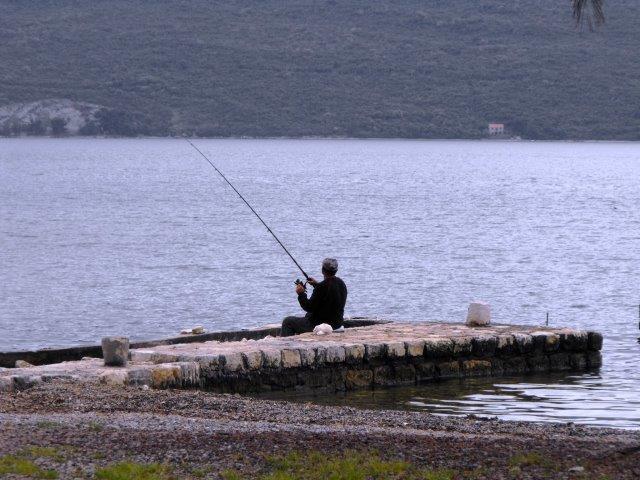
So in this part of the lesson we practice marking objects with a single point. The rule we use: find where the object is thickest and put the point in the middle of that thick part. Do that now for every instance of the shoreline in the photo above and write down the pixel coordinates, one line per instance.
(205, 435)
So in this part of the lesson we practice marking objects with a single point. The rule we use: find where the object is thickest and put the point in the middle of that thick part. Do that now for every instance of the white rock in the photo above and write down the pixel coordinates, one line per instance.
(23, 364)
(323, 329)
(479, 314)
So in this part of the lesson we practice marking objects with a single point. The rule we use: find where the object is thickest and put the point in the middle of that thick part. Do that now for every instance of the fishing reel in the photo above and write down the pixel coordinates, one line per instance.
(301, 283)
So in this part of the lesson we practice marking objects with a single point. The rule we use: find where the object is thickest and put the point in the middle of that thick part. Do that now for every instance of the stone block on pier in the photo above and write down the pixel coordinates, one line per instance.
(115, 351)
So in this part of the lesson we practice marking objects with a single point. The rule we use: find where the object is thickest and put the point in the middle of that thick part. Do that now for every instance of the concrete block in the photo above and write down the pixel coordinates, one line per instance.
(208, 361)
(321, 355)
(448, 369)
(232, 362)
(438, 348)
(594, 359)
(462, 346)
(395, 349)
(415, 348)
(484, 346)
(374, 350)
(578, 361)
(478, 314)
(383, 376)
(559, 362)
(165, 376)
(115, 351)
(189, 374)
(335, 354)
(594, 341)
(252, 360)
(271, 359)
(497, 366)
(290, 358)
(523, 343)
(506, 345)
(425, 371)
(6, 384)
(114, 377)
(538, 363)
(404, 374)
(136, 376)
(354, 353)
(307, 356)
(515, 365)
(358, 378)
(476, 368)
(574, 341)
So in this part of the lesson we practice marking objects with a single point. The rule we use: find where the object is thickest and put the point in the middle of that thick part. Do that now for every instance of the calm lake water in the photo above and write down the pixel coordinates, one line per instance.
(142, 238)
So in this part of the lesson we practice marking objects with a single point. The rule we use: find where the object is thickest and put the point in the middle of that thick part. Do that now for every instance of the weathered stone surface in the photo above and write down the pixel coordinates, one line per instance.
(476, 368)
(50, 377)
(6, 384)
(23, 364)
(595, 341)
(574, 341)
(425, 371)
(478, 314)
(559, 362)
(291, 358)
(23, 382)
(232, 362)
(115, 351)
(114, 377)
(139, 376)
(189, 374)
(321, 355)
(207, 361)
(437, 348)
(552, 343)
(594, 359)
(404, 374)
(360, 378)
(484, 346)
(395, 349)
(506, 344)
(354, 353)
(578, 361)
(252, 360)
(462, 346)
(383, 376)
(374, 351)
(523, 343)
(307, 357)
(165, 376)
(335, 354)
(497, 366)
(271, 358)
(515, 365)
(538, 363)
(415, 348)
(448, 369)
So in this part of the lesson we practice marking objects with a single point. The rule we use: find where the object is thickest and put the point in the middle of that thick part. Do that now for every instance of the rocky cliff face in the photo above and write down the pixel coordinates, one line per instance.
(47, 117)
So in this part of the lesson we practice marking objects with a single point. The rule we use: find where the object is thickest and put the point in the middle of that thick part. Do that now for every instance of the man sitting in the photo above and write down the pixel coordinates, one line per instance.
(326, 304)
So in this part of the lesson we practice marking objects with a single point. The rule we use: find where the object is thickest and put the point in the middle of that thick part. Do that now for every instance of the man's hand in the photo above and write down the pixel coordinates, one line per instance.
(312, 281)
(299, 289)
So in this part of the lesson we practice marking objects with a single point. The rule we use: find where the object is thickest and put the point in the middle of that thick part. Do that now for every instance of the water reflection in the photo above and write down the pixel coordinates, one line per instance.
(584, 399)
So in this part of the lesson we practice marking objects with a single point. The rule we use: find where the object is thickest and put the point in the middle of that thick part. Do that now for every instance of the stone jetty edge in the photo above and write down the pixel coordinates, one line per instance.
(406, 356)
(47, 356)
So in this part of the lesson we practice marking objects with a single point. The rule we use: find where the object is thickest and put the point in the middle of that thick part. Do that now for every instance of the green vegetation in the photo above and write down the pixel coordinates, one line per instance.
(348, 466)
(134, 471)
(530, 459)
(329, 68)
(17, 465)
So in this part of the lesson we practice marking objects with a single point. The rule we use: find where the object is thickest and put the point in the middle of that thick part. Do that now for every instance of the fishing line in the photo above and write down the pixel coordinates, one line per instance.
(250, 207)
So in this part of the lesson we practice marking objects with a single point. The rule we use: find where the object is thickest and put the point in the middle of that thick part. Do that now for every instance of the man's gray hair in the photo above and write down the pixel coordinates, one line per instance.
(330, 265)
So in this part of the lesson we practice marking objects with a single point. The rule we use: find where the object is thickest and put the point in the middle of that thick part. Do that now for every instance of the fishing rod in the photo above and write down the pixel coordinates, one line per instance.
(252, 209)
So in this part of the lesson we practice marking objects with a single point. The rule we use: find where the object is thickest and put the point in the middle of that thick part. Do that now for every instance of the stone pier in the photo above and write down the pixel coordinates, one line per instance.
(379, 355)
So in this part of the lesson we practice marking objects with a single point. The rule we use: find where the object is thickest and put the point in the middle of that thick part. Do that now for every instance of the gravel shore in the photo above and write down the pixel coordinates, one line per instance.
(200, 435)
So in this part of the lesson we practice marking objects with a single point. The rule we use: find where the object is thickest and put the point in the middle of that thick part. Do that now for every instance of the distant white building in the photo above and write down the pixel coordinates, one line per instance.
(496, 129)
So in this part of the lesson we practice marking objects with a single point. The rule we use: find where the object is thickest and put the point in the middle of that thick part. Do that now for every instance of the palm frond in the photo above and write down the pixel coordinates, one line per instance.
(589, 12)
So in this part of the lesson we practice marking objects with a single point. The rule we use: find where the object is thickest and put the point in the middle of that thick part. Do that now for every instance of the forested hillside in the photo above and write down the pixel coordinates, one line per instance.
(361, 68)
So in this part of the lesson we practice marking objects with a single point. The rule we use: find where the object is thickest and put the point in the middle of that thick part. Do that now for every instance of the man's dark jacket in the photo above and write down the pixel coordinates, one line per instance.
(326, 304)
